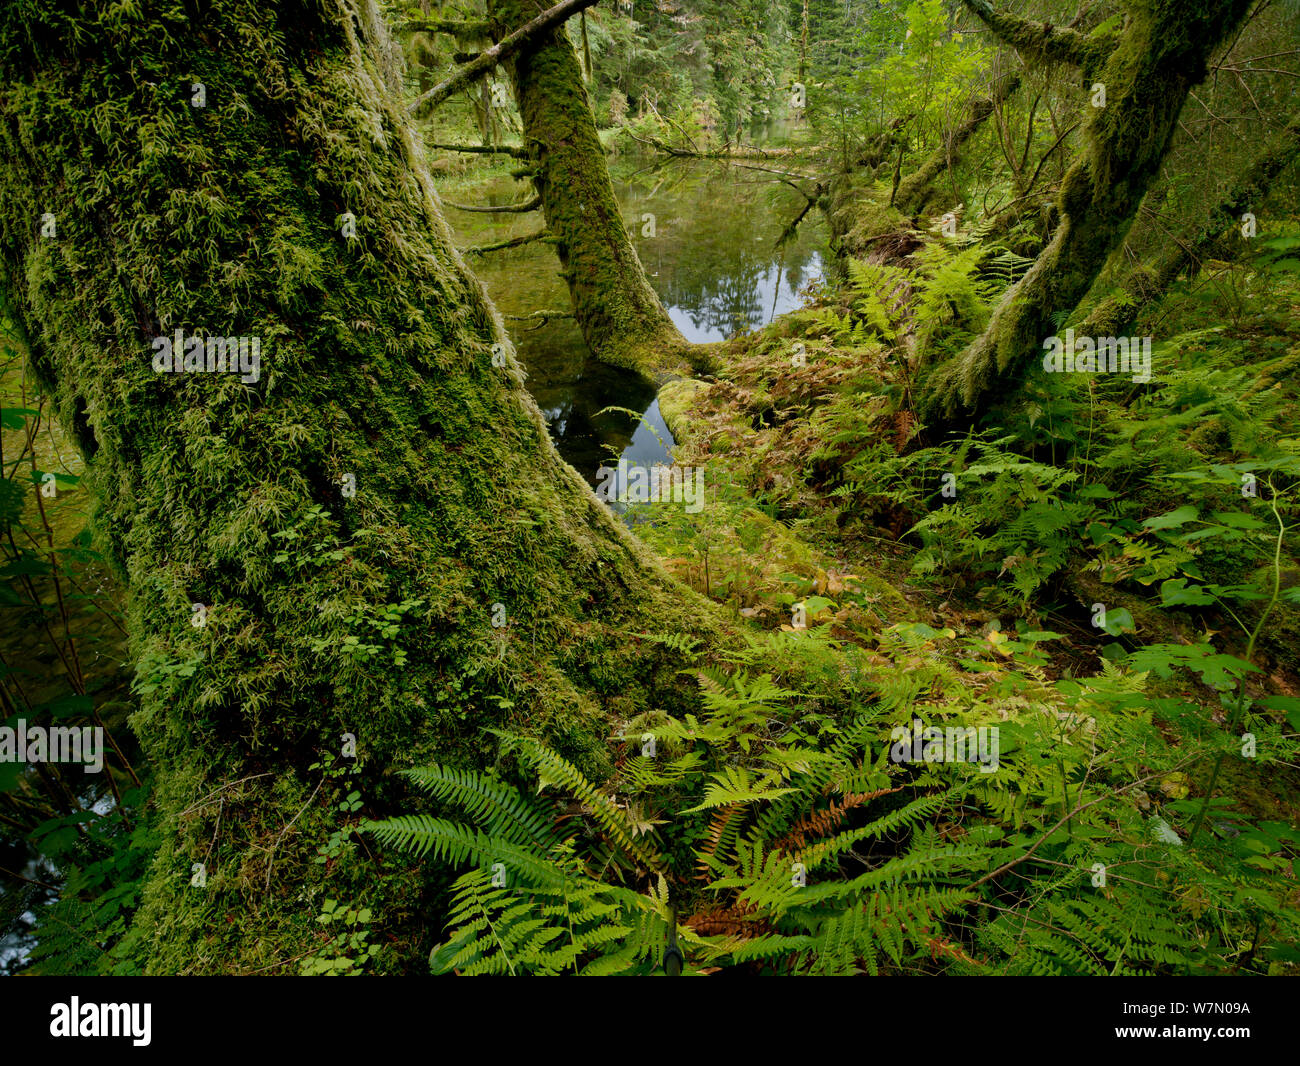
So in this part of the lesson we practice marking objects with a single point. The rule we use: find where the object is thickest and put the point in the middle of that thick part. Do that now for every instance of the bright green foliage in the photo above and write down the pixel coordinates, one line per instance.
(349, 951)
(809, 863)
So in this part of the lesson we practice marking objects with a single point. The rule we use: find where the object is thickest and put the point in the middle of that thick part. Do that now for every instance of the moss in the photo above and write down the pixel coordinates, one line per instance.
(862, 224)
(914, 191)
(376, 362)
(675, 403)
(1161, 54)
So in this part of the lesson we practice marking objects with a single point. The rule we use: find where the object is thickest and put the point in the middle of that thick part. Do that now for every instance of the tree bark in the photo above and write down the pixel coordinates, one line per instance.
(619, 314)
(511, 42)
(355, 516)
(1160, 56)
(1043, 41)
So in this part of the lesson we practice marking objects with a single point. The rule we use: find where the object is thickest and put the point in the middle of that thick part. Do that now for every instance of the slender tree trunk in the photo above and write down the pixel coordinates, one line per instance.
(1146, 73)
(803, 44)
(372, 517)
(618, 312)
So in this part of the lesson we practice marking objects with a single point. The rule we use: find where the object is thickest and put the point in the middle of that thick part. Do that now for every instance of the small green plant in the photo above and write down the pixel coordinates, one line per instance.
(349, 951)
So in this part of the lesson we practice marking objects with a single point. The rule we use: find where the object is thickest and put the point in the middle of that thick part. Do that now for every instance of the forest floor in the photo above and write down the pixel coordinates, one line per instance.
(820, 488)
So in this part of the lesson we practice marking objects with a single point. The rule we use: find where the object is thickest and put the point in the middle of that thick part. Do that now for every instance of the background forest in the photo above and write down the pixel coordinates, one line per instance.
(387, 689)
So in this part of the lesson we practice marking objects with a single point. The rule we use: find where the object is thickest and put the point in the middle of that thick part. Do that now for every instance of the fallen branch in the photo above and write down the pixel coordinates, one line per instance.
(511, 209)
(739, 152)
(789, 230)
(677, 126)
(787, 177)
(486, 61)
(481, 149)
(458, 28)
(513, 242)
(540, 317)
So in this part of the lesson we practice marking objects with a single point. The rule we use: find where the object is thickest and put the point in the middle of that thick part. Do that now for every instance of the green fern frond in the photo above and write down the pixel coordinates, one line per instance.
(457, 845)
(554, 769)
(734, 785)
(497, 807)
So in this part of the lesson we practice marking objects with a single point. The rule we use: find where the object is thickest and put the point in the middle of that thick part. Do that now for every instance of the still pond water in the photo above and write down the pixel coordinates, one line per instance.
(713, 260)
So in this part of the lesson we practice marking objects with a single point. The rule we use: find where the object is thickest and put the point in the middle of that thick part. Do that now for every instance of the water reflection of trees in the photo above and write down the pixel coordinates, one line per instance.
(711, 259)
(571, 388)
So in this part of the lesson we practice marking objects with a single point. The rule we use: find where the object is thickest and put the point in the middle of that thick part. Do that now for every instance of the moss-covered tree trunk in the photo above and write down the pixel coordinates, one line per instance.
(366, 531)
(1147, 284)
(1146, 73)
(618, 312)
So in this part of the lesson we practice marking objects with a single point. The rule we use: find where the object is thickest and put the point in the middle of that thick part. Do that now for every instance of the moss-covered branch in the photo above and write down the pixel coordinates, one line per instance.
(912, 189)
(482, 64)
(738, 152)
(503, 209)
(1146, 284)
(539, 318)
(480, 149)
(1162, 54)
(510, 242)
(1043, 41)
(461, 29)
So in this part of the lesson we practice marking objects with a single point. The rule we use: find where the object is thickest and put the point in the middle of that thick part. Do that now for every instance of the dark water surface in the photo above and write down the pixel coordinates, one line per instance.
(713, 261)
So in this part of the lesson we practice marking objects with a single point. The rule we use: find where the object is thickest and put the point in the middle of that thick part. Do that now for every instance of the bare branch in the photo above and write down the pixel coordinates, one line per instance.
(505, 209)
(484, 63)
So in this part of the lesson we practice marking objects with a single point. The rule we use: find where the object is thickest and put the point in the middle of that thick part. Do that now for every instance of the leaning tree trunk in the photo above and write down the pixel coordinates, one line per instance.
(1147, 73)
(365, 532)
(914, 190)
(618, 312)
(1146, 284)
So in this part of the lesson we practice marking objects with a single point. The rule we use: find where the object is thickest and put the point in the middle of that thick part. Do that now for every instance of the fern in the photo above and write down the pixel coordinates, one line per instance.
(556, 770)
(531, 930)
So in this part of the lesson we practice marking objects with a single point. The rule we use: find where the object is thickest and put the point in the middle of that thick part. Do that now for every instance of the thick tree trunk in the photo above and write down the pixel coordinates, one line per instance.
(379, 531)
(618, 312)
(1145, 285)
(1147, 74)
